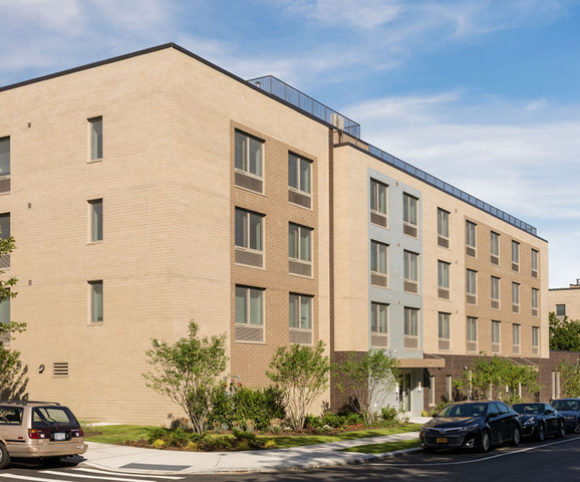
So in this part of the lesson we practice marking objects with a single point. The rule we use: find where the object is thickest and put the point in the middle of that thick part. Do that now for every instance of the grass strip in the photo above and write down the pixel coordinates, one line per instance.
(384, 447)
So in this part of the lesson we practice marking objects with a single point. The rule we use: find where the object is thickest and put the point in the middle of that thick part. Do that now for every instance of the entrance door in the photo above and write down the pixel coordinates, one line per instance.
(405, 393)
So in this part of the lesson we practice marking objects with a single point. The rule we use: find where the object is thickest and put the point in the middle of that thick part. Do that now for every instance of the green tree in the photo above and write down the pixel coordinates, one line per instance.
(564, 334)
(188, 372)
(13, 379)
(367, 378)
(499, 376)
(570, 379)
(302, 374)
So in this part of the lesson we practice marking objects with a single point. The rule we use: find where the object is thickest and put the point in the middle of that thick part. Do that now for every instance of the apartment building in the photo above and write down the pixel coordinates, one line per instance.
(565, 301)
(156, 188)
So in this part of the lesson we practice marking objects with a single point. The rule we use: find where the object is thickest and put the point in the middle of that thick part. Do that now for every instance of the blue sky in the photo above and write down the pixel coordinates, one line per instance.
(483, 94)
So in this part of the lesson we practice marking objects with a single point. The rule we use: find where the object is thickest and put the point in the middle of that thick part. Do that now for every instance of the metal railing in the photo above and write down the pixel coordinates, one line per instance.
(304, 102)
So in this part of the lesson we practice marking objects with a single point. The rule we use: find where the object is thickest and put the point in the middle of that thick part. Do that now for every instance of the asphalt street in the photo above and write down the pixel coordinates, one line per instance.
(556, 459)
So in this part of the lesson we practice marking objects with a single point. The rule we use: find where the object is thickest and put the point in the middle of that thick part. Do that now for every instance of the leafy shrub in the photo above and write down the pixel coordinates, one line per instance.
(354, 418)
(244, 438)
(158, 444)
(334, 420)
(389, 414)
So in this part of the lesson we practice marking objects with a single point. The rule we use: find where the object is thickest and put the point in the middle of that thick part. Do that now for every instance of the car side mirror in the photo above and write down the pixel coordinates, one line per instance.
(491, 415)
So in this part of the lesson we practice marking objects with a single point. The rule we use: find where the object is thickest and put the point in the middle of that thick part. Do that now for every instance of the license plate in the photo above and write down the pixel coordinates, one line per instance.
(59, 436)
(441, 440)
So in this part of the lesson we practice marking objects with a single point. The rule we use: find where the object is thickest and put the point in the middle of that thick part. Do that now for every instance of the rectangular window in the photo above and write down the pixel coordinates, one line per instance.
(535, 255)
(299, 173)
(516, 297)
(535, 340)
(471, 334)
(300, 242)
(378, 257)
(516, 337)
(300, 317)
(444, 330)
(470, 238)
(249, 237)
(494, 247)
(471, 286)
(96, 288)
(378, 203)
(409, 215)
(249, 306)
(5, 319)
(495, 291)
(411, 328)
(249, 154)
(443, 274)
(410, 271)
(515, 256)
(535, 293)
(96, 213)
(5, 156)
(442, 223)
(379, 318)
(5, 234)
(495, 336)
(96, 133)
(560, 310)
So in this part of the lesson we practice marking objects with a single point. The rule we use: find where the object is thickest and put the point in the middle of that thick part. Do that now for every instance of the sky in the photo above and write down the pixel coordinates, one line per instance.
(483, 94)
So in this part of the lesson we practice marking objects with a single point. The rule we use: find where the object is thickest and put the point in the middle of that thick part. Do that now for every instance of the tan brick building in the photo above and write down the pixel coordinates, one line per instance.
(565, 301)
(153, 189)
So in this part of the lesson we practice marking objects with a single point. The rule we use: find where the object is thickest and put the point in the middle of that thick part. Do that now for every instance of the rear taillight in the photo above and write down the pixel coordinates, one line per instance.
(36, 433)
(76, 432)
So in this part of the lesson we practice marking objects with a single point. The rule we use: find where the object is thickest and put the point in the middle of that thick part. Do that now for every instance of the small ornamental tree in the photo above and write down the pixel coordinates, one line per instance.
(188, 372)
(13, 379)
(564, 334)
(367, 378)
(301, 373)
(570, 379)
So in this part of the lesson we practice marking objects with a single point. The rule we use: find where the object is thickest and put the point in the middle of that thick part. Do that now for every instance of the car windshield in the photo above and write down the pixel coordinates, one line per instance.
(464, 410)
(529, 408)
(566, 404)
(45, 417)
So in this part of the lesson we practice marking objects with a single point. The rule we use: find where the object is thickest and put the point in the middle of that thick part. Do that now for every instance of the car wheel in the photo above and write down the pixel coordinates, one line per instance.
(577, 427)
(4, 457)
(541, 433)
(484, 442)
(516, 437)
(561, 430)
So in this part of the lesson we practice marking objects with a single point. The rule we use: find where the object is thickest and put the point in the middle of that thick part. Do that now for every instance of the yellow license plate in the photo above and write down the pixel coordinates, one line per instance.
(441, 440)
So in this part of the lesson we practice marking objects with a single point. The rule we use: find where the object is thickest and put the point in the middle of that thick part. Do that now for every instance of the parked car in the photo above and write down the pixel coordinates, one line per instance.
(540, 420)
(42, 430)
(472, 425)
(570, 409)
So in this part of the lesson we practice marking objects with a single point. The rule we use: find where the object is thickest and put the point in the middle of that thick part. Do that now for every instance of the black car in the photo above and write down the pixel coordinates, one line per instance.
(570, 409)
(473, 425)
(540, 420)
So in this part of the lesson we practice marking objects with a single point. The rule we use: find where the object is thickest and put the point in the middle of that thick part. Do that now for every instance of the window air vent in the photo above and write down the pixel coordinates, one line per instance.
(495, 304)
(470, 251)
(494, 260)
(60, 369)
(297, 267)
(379, 280)
(535, 350)
(250, 333)
(534, 312)
(411, 342)
(248, 182)
(443, 293)
(379, 341)
(5, 184)
(516, 308)
(515, 267)
(534, 273)
(249, 257)
(443, 242)
(495, 348)
(298, 198)
(379, 219)
(411, 287)
(443, 344)
(516, 349)
(471, 346)
(300, 337)
(410, 230)
(471, 299)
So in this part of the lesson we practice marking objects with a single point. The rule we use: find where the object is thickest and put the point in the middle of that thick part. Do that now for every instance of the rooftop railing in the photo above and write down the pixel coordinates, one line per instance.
(304, 102)
(293, 96)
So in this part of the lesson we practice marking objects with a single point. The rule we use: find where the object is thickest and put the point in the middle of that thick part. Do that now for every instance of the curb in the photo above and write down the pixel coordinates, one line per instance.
(305, 466)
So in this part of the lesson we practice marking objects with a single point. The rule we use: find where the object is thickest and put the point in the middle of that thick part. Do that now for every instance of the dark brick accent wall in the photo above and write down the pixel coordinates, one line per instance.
(340, 398)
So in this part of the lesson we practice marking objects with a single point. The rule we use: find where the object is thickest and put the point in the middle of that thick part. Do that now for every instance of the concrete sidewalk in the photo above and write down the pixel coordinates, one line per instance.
(170, 462)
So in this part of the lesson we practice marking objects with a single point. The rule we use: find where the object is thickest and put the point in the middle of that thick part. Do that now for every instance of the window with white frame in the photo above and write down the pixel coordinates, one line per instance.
(535, 265)
(494, 247)
(300, 249)
(410, 215)
(300, 316)
(516, 297)
(443, 223)
(379, 318)
(495, 336)
(515, 256)
(249, 305)
(410, 261)
(443, 275)
(5, 234)
(379, 264)
(471, 334)
(249, 162)
(249, 237)
(561, 310)
(535, 340)
(96, 136)
(470, 238)
(471, 286)
(5, 156)
(495, 292)
(5, 319)
(535, 294)
(516, 337)
(96, 215)
(444, 331)
(411, 328)
(96, 292)
(378, 203)
(299, 173)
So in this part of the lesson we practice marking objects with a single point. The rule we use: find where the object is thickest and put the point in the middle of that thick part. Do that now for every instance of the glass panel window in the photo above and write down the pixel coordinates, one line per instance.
(299, 173)
(443, 274)
(515, 252)
(494, 288)
(494, 244)
(495, 332)
(516, 334)
(96, 132)
(379, 318)
(442, 223)
(96, 301)
(535, 336)
(300, 311)
(410, 261)
(299, 242)
(5, 156)
(515, 293)
(535, 298)
(409, 209)
(378, 197)
(471, 329)
(249, 229)
(471, 282)
(249, 305)
(248, 154)
(561, 310)
(96, 210)
(444, 331)
(4, 226)
(378, 257)
(411, 323)
(5, 319)
(534, 260)
(470, 234)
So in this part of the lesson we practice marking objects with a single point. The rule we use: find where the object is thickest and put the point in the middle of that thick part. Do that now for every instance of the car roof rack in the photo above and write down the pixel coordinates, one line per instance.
(25, 402)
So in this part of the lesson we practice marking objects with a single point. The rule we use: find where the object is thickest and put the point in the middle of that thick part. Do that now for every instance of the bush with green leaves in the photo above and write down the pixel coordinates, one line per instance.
(564, 334)
(188, 372)
(570, 379)
(389, 414)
